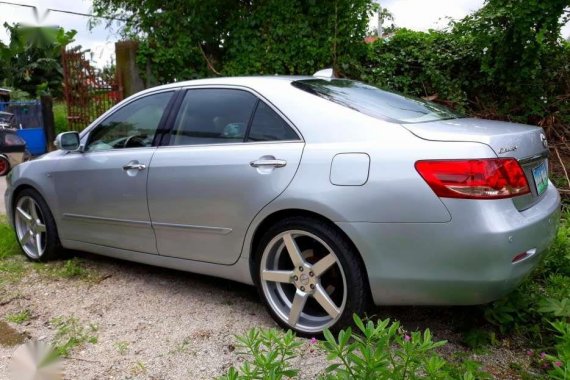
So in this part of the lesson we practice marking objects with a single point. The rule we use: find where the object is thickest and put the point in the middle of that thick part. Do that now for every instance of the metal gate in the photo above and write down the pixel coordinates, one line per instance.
(88, 93)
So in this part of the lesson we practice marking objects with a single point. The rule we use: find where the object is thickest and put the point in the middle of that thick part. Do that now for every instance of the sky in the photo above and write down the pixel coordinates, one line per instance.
(413, 14)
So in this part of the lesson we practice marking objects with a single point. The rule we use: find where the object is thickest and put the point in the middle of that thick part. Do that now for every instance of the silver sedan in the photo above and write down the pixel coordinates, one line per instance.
(329, 195)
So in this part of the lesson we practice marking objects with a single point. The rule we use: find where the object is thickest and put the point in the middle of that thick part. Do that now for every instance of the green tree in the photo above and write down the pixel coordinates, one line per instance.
(32, 60)
(521, 51)
(185, 39)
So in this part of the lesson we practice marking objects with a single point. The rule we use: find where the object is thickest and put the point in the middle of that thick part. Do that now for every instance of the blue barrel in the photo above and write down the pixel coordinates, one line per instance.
(35, 139)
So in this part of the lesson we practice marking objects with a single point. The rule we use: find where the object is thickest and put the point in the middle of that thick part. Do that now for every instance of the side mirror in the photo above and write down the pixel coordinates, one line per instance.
(68, 141)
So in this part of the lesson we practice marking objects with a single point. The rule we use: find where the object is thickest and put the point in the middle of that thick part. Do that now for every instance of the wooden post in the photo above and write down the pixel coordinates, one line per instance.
(126, 66)
(48, 121)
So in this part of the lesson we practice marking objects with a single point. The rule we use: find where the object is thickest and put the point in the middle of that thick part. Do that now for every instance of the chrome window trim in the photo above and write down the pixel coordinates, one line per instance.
(254, 93)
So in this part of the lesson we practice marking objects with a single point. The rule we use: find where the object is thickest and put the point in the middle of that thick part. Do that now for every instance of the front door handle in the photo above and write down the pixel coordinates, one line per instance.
(268, 162)
(133, 166)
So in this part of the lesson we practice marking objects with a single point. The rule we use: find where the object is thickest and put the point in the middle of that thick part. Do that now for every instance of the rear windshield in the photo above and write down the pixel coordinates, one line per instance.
(375, 102)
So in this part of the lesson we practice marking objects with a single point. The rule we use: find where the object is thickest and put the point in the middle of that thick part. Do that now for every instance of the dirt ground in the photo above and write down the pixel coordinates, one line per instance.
(153, 323)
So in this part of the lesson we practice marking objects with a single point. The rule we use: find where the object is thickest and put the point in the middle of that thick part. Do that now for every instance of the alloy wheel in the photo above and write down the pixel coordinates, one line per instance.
(30, 227)
(303, 281)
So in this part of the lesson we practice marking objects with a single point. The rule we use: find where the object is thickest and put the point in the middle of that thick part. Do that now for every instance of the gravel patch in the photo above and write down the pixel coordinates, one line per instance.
(154, 323)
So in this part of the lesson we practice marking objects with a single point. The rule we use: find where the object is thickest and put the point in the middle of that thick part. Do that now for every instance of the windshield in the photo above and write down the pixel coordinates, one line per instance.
(375, 102)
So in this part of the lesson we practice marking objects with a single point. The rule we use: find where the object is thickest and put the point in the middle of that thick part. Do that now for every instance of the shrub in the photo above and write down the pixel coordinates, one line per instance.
(381, 350)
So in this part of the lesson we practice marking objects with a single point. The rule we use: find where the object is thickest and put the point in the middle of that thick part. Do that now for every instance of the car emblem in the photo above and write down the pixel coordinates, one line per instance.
(507, 149)
(304, 279)
(543, 140)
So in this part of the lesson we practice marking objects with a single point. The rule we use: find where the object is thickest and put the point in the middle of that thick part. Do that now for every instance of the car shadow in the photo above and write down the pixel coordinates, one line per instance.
(446, 322)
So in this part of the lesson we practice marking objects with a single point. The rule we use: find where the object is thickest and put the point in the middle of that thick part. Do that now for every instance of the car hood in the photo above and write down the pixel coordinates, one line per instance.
(506, 139)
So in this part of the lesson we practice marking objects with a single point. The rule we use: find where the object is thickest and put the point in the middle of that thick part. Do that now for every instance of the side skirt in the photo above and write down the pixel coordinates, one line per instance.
(238, 272)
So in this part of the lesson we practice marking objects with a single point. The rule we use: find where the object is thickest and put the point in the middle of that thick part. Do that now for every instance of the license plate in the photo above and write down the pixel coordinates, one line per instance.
(540, 175)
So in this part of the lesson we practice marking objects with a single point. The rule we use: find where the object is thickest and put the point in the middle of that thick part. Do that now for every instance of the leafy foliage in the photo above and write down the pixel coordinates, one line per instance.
(31, 62)
(376, 351)
(270, 353)
(506, 61)
(185, 39)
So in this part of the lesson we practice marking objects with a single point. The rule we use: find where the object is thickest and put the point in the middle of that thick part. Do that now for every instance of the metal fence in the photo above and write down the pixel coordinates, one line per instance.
(88, 92)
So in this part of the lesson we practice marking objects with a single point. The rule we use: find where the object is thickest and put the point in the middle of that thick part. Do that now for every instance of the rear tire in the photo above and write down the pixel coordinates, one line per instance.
(4, 166)
(35, 227)
(309, 276)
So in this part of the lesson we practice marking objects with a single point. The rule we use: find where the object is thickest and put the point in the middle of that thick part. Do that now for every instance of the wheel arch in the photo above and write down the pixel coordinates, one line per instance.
(272, 218)
(17, 190)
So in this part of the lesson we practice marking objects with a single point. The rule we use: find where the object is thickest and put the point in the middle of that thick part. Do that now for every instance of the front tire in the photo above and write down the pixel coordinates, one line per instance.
(309, 276)
(35, 227)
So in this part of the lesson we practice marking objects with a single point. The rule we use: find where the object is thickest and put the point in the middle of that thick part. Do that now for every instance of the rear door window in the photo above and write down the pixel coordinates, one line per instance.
(213, 116)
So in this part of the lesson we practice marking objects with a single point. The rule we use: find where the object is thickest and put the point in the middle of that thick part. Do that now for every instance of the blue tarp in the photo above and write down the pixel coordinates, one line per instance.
(29, 120)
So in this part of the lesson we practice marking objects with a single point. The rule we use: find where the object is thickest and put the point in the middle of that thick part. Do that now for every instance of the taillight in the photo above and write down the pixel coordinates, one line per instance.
(493, 178)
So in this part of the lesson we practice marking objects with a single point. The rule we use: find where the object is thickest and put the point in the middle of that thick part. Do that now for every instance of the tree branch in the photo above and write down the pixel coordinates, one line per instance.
(210, 66)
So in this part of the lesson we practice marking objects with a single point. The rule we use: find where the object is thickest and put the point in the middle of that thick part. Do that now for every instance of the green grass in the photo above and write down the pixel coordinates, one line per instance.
(13, 264)
(60, 116)
(73, 268)
(122, 347)
(70, 333)
(19, 317)
(8, 244)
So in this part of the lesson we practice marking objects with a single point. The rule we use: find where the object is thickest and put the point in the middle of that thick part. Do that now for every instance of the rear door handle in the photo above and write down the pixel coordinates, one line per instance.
(132, 166)
(266, 162)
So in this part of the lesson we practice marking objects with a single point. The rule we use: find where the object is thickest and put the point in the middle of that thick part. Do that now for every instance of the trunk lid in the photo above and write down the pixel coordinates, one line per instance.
(526, 143)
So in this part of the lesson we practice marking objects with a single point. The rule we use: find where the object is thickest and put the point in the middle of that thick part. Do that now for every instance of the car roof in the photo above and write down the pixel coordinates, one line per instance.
(246, 81)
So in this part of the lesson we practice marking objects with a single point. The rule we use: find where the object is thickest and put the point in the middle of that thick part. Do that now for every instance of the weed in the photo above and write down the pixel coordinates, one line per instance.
(381, 350)
(182, 346)
(71, 334)
(122, 347)
(70, 269)
(19, 317)
(138, 369)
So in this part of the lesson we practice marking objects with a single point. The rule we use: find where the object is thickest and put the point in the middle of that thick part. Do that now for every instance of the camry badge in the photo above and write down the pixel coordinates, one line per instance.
(543, 140)
(508, 149)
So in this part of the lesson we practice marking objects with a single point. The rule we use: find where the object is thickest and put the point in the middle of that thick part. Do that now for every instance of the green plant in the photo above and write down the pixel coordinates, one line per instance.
(269, 352)
(375, 351)
(71, 334)
(73, 268)
(19, 317)
(384, 351)
(561, 360)
(31, 60)
(187, 39)
(8, 244)
(60, 117)
(122, 347)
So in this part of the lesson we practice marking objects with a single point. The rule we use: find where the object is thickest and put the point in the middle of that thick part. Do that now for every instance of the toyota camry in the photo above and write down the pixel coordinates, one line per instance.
(328, 195)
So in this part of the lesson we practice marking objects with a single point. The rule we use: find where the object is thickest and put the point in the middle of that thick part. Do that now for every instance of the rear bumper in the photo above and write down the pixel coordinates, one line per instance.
(466, 261)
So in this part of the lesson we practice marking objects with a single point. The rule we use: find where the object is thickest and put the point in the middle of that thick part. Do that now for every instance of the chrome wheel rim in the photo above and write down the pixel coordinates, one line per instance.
(30, 227)
(303, 281)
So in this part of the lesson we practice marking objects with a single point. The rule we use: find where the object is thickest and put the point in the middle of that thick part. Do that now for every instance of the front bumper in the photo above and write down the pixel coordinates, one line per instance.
(466, 261)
